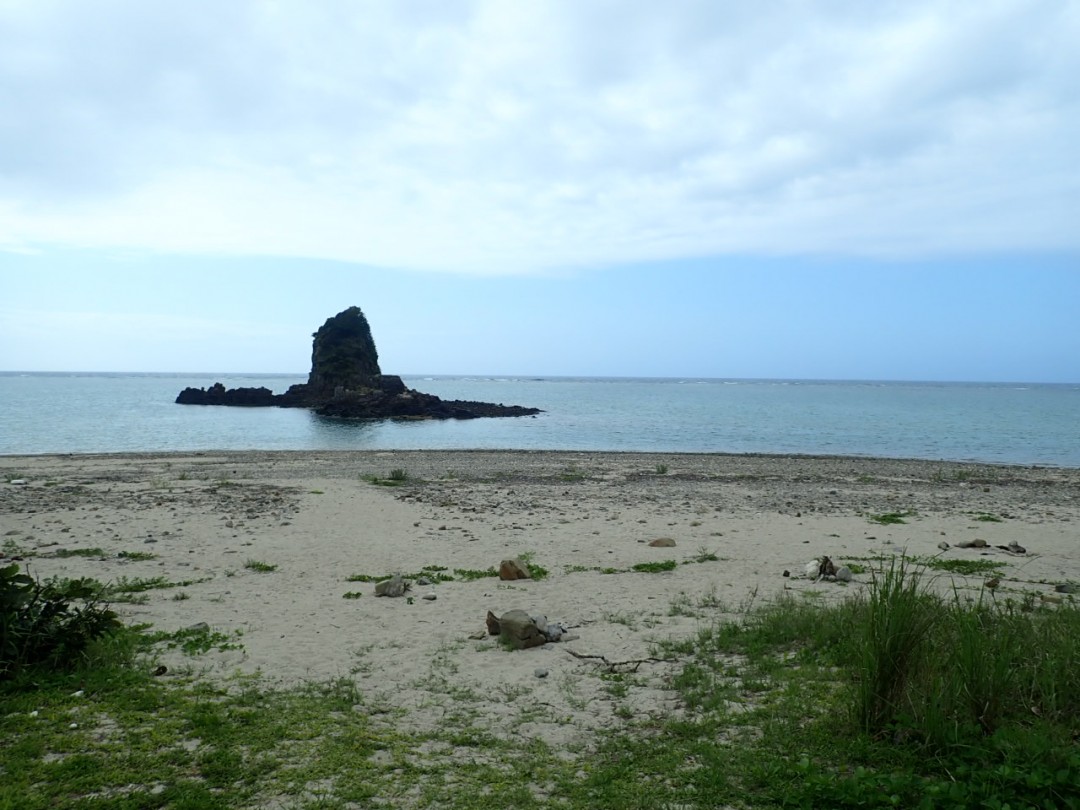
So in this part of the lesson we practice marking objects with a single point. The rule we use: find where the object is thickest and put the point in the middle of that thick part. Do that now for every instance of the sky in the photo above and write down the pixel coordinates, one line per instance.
(841, 190)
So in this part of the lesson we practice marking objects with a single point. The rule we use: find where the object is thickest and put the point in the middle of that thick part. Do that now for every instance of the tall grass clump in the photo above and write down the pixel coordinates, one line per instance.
(902, 696)
(951, 672)
(899, 616)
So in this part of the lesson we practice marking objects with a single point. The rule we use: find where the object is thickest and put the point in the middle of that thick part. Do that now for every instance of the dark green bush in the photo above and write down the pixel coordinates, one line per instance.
(48, 625)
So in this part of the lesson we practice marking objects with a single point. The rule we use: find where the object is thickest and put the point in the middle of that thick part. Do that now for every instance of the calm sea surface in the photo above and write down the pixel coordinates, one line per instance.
(1005, 423)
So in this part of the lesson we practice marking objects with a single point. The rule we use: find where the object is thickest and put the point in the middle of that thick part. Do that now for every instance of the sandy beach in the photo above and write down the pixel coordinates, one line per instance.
(206, 523)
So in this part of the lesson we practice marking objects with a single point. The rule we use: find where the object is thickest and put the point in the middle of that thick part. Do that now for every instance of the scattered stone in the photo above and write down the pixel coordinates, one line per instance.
(423, 581)
(554, 632)
(492, 624)
(662, 542)
(1016, 548)
(1067, 587)
(161, 670)
(540, 672)
(787, 573)
(843, 574)
(200, 627)
(812, 567)
(395, 586)
(518, 630)
(943, 546)
(976, 543)
(18, 482)
(430, 597)
(514, 569)
(570, 637)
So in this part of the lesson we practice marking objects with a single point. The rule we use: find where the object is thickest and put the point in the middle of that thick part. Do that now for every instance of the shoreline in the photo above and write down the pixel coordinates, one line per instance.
(165, 454)
(192, 522)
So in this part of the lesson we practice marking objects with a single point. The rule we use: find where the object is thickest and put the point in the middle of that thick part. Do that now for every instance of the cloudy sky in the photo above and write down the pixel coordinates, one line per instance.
(795, 189)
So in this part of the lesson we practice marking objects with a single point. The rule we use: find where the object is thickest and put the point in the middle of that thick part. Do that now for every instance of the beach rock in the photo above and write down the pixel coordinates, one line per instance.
(395, 586)
(554, 632)
(540, 672)
(514, 569)
(943, 546)
(843, 574)
(1067, 587)
(493, 627)
(662, 542)
(430, 597)
(822, 568)
(976, 543)
(518, 630)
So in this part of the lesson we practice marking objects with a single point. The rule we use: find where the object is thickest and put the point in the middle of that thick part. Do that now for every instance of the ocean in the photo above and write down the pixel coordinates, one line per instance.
(985, 422)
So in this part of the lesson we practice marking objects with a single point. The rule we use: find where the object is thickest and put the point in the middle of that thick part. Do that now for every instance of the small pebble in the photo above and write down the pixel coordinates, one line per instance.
(540, 672)
(74, 725)
(430, 597)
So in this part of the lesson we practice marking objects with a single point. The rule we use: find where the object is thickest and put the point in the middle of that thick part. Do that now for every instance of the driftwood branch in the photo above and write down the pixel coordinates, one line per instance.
(620, 666)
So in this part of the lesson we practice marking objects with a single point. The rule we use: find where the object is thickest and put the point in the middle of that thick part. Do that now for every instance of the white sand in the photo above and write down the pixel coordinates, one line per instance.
(312, 516)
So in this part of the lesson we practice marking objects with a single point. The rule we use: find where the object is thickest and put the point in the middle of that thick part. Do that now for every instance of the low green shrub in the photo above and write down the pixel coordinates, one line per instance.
(48, 625)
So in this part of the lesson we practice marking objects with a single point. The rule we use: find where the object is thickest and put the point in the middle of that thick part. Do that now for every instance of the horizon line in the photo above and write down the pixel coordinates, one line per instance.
(542, 377)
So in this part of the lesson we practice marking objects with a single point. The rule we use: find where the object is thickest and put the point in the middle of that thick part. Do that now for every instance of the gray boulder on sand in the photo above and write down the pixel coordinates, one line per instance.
(514, 569)
(395, 586)
(517, 629)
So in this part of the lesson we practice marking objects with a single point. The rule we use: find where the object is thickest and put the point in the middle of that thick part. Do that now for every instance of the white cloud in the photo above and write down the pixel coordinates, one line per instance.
(502, 137)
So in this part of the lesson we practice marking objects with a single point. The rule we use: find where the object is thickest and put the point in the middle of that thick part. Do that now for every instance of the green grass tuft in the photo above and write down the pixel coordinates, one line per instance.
(889, 518)
(655, 567)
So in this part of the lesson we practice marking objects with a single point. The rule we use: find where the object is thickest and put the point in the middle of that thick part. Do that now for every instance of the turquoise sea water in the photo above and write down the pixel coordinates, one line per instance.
(1003, 423)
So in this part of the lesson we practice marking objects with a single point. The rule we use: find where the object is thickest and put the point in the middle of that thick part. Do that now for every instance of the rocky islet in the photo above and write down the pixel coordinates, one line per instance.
(346, 381)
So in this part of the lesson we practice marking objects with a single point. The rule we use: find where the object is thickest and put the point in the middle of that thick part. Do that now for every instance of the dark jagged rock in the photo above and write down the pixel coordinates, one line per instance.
(217, 394)
(346, 381)
(343, 355)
